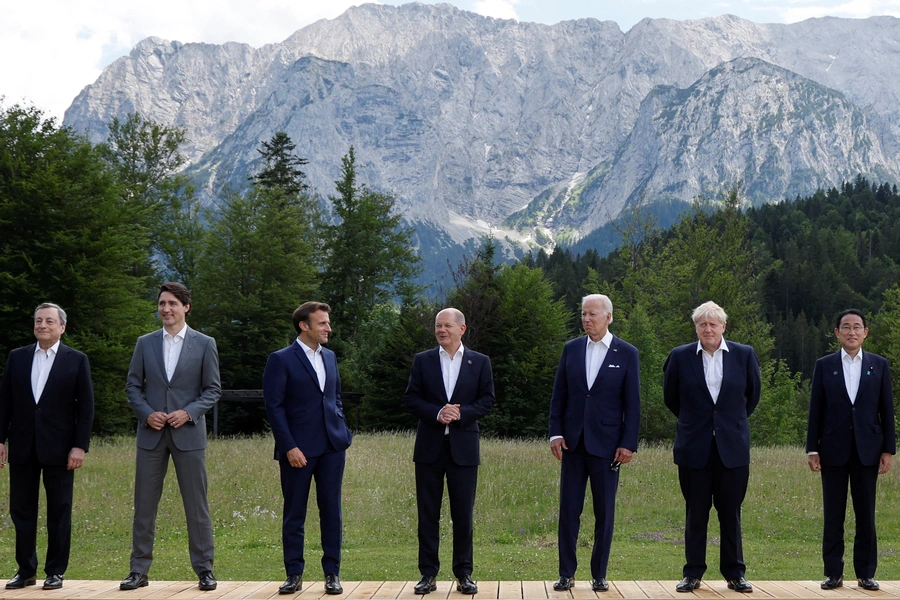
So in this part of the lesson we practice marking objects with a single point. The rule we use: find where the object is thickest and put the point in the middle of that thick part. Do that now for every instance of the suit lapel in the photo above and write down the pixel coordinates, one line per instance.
(304, 360)
(611, 355)
(55, 369)
(433, 362)
(188, 345)
(157, 349)
(836, 374)
(697, 363)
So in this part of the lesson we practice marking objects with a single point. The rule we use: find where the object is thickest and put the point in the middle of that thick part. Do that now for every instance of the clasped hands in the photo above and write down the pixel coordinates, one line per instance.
(448, 414)
(159, 419)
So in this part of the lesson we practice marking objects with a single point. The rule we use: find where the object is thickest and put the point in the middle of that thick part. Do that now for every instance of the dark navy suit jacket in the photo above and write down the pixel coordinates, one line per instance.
(687, 396)
(608, 414)
(63, 418)
(425, 397)
(297, 408)
(833, 419)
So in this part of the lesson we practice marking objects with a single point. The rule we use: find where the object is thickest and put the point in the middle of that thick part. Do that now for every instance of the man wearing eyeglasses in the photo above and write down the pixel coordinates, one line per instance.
(850, 439)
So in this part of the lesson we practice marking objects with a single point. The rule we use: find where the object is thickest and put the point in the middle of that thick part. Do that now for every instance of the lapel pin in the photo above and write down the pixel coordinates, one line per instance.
(469, 361)
(835, 373)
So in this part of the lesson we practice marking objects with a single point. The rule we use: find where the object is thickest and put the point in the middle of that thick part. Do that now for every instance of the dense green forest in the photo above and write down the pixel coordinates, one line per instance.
(96, 228)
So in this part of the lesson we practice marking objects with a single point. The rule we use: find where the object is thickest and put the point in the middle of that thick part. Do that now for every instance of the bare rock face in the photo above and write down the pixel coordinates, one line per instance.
(535, 132)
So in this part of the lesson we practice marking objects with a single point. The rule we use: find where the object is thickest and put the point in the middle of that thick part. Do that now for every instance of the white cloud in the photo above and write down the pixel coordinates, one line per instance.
(499, 9)
(51, 49)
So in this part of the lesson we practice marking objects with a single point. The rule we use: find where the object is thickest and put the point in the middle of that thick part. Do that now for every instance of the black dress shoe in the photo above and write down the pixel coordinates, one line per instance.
(740, 585)
(832, 583)
(564, 583)
(134, 581)
(600, 584)
(53, 582)
(19, 581)
(292, 585)
(333, 585)
(688, 584)
(465, 585)
(425, 585)
(867, 583)
(207, 581)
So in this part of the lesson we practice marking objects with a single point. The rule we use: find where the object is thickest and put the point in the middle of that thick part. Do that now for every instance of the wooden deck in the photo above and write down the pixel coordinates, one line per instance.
(501, 590)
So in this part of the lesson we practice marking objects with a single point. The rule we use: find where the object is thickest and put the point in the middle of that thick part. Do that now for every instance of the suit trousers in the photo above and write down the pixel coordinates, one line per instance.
(461, 484)
(725, 488)
(150, 473)
(328, 471)
(577, 467)
(24, 491)
(862, 480)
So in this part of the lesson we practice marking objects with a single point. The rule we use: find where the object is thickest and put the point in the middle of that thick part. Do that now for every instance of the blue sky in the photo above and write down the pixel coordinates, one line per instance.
(52, 49)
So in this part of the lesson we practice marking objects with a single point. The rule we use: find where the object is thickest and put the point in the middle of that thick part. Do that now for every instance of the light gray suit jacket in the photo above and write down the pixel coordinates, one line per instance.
(195, 387)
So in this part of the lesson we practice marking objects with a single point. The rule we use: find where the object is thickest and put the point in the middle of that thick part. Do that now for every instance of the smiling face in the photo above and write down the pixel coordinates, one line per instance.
(852, 332)
(172, 312)
(448, 330)
(47, 327)
(315, 329)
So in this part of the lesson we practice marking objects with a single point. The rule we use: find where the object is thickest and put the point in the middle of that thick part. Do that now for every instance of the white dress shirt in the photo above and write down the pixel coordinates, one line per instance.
(318, 363)
(852, 372)
(712, 368)
(172, 345)
(40, 368)
(450, 372)
(594, 355)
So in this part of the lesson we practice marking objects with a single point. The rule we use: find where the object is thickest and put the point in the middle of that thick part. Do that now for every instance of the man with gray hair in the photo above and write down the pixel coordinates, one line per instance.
(46, 413)
(712, 386)
(594, 420)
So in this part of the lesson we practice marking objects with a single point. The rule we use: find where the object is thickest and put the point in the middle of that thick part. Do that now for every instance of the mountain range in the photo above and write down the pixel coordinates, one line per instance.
(540, 134)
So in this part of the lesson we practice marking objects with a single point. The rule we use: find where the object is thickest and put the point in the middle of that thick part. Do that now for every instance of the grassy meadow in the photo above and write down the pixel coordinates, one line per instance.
(515, 516)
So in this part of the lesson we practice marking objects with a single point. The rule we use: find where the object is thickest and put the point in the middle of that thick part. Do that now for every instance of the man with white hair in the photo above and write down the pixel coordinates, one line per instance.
(594, 420)
(712, 386)
(46, 415)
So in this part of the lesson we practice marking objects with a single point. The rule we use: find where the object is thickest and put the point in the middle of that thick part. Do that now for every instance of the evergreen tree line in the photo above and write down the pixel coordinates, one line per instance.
(96, 228)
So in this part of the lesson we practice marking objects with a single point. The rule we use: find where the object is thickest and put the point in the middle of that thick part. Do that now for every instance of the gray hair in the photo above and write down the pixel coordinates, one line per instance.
(711, 310)
(460, 318)
(604, 301)
(59, 311)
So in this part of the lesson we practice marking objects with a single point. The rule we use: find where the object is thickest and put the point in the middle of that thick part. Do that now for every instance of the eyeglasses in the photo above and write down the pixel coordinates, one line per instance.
(854, 328)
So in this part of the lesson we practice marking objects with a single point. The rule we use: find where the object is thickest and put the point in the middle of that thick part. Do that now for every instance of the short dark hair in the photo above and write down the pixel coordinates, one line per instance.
(301, 315)
(849, 311)
(179, 290)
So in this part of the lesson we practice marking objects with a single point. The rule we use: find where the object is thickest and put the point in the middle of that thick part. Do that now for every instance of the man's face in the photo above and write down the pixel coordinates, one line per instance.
(47, 327)
(316, 329)
(595, 319)
(448, 331)
(851, 333)
(171, 311)
(709, 332)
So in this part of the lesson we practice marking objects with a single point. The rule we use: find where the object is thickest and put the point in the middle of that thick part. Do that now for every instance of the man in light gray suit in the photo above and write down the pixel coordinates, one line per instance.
(173, 380)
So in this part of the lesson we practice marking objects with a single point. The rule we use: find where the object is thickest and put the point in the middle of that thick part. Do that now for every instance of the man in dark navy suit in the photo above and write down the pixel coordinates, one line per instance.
(712, 386)
(302, 393)
(594, 419)
(450, 388)
(46, 413)
(850, 439)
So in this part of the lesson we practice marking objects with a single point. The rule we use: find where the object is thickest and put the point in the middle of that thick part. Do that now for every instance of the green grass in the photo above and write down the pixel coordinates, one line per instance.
(515, 516)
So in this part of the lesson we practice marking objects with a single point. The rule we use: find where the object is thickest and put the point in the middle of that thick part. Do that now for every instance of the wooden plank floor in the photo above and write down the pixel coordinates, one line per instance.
(403, 590)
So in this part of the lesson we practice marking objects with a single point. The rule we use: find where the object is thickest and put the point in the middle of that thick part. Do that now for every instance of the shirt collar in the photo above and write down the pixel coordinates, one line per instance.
(307, 349)
(606, 340)
(180, 334)
(723, 345)
(54, 348)
(845, 355)
(459, 351)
